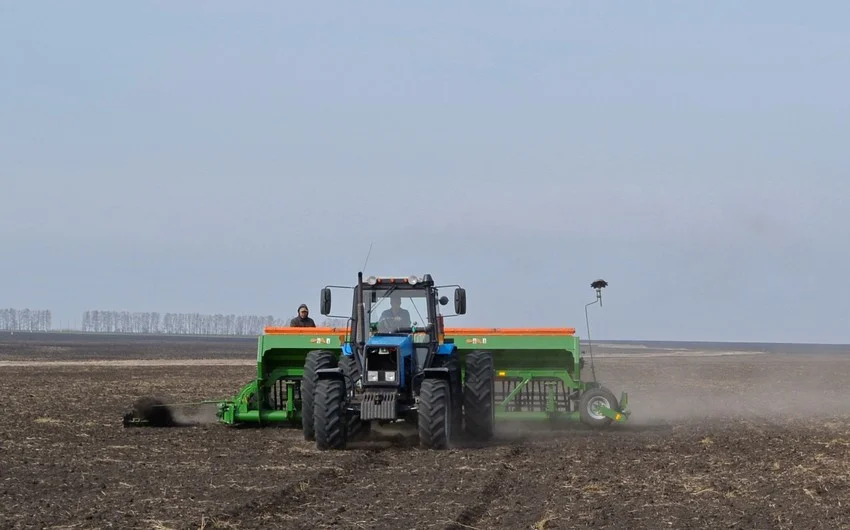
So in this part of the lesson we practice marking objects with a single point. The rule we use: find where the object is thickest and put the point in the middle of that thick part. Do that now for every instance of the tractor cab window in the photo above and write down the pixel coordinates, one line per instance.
(397, 310)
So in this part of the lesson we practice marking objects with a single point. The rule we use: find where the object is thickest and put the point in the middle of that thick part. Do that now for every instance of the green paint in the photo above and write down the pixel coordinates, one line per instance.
(280, 367)
(538, 377)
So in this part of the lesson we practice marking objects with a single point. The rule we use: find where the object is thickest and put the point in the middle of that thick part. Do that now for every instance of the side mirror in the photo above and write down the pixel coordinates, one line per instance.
(460, 301)
(444, 300)
(326, 301)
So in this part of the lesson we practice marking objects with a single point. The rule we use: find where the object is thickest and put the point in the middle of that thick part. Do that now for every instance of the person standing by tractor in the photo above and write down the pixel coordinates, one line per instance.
(303, 319)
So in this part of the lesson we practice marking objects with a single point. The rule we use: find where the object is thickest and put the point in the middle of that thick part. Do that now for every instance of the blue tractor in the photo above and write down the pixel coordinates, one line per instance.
(396, 366)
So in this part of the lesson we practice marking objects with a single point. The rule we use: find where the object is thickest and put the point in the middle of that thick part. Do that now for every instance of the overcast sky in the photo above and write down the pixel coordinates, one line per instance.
(236, 157)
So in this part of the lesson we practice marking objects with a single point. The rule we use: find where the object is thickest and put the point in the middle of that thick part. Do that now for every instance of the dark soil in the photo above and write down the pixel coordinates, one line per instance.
(726, 442)
(20, 346)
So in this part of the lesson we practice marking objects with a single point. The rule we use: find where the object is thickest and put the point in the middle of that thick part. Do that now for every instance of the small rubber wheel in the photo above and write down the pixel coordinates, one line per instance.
(590, 402)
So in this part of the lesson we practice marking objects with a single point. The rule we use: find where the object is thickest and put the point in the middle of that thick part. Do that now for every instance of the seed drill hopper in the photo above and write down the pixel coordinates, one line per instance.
(444, 380)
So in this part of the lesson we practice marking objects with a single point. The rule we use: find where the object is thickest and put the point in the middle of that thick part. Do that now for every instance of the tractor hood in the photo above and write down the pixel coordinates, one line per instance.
(398, 341)
(384, 360)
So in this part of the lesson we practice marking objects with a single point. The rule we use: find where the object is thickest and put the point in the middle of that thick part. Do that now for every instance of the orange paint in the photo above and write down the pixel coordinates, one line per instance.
(510, 331)
(278, 330)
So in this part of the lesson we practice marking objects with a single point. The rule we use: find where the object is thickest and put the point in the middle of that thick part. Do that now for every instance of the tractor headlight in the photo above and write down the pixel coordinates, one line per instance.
(389, 376)
(371, 280)
(372, 376)
(412, 280)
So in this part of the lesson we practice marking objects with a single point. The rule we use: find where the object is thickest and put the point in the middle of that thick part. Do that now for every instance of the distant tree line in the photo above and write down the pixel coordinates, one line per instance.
(96, 321)
(176, 323)
(25, 320)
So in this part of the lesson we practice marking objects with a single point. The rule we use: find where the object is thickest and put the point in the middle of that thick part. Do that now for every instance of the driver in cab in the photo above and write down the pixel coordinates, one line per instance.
(395, 318)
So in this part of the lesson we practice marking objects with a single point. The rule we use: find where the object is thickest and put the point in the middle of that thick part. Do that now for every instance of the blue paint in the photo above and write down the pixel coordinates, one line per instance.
(404, 343)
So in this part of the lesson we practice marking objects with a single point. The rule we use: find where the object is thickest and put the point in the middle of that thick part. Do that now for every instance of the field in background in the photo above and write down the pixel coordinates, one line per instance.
(104, 346)
(752, 440)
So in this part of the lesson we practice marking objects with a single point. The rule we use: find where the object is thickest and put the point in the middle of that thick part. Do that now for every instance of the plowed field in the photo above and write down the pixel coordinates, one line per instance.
(741, 441)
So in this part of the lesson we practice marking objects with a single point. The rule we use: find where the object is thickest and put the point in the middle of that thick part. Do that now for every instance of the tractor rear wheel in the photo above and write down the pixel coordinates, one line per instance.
(435, 414)
(331, 426)
(351, 370)
(316, 360)
(478, 396)
(452, 362)
(590, 400)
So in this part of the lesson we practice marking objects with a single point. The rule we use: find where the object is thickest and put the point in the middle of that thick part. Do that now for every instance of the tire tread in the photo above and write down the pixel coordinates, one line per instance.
(478, 396)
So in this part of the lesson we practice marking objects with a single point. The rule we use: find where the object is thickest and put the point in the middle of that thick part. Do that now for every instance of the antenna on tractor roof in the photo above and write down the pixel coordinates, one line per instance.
(369, 253)
(598, 285)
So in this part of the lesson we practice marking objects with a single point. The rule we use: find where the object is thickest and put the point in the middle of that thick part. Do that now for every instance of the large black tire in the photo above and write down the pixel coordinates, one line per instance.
(331, 427)
(435, 414)
(357, 428)
(479, 396)
(316, 360)
(591, 398)
(452, 362)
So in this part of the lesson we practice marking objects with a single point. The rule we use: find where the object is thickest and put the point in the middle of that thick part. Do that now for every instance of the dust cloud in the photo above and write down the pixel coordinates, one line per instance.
(667, 389)
(769, 387)
(196, 415)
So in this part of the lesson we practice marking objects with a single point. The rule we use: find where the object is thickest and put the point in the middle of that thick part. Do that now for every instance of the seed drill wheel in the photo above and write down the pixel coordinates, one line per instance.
(478, 396)
(329, 412)
(591, 400)
(435, 414)
(356, 427)
(316, 360)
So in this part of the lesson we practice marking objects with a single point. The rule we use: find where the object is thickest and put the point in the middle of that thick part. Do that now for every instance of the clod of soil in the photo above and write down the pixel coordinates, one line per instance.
(154, 411)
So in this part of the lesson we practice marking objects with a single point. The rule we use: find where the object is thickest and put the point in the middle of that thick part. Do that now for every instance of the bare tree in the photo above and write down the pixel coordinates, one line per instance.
(25, 320)
(97, 321)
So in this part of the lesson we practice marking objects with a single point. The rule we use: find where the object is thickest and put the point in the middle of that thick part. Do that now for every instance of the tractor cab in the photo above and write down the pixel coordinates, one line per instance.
(395, 366)
(395, 327)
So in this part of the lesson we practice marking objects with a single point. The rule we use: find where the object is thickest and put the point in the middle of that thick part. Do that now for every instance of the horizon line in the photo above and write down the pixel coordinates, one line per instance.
(584, 340)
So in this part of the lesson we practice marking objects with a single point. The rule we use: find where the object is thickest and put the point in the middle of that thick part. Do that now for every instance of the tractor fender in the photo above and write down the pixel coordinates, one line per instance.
(330, 373)
(437, 373)
(446, 349)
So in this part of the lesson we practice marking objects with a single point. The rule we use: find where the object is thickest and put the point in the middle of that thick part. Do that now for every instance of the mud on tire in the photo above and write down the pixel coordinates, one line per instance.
(316, 360)
(478, 396)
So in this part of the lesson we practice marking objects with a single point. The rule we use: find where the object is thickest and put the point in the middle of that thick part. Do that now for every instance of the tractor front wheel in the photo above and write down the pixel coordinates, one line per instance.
(329, 411)
(316, 360)
(357, 428)
(590, 401)
(435, 414)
